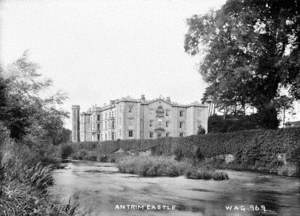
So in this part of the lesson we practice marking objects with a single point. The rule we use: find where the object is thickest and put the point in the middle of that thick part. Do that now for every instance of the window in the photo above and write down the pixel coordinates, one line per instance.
(98, 127)
(167, 112)
(112, 136)
(181, 113)
(130, 133)
(181, 134)
(130, 107)
(167, 134)
(150, 123)
(167, 124)
(181, 124)
(98, 137)
(113, 124)
(98, 117)
(151, 134)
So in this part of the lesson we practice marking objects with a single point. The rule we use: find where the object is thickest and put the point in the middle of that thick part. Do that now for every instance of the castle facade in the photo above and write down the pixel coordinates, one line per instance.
(128, 118)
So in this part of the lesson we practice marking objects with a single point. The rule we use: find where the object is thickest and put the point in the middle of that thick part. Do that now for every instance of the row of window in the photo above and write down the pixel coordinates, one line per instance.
(167, 123)
(151, 134)
(106, 115)
(130, 134)
(181, 112)
(99, 136)
(112, 113)
(107, 125)
(112, 125)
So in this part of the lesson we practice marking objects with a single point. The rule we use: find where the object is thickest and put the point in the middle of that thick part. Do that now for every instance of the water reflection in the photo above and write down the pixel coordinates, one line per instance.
(98, 187)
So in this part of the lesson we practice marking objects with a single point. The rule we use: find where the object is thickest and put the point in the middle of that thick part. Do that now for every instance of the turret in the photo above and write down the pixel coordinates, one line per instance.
(75, 123)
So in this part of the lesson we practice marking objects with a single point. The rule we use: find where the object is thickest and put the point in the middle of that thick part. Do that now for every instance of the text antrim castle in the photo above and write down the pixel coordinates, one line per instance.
(129, 118)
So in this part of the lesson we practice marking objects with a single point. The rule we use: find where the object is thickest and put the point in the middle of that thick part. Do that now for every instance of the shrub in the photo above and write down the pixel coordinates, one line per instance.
(82, 154)
(220, 176)
(198, 174)
(66, 151)
(92, 158)
(152, 166)
(21, 199)
(39, 176)
(198, 156)
(201, 130)
(219, 124)
(178, 154)
(103, 158)
(206, 174)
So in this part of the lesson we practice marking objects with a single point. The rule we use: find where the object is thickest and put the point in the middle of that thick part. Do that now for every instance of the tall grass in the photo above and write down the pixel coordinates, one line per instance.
(29, 197)
(24, 179)
(19, 199)
(206, 174)
(152, 166)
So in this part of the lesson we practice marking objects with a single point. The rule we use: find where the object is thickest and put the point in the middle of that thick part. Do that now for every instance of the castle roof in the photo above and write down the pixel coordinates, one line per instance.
(143, 101)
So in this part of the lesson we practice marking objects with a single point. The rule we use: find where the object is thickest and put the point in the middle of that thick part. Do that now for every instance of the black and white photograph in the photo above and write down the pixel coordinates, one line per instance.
(149, 107)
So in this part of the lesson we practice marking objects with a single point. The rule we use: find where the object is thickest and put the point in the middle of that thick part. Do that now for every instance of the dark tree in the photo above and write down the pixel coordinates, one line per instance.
(251, 53)
(200, 130)
(22, 108)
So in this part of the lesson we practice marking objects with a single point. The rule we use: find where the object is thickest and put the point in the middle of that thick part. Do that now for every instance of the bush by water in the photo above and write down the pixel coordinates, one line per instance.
(152, 166)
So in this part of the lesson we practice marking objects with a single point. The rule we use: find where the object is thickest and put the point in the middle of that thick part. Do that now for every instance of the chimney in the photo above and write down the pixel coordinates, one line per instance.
(169, 99)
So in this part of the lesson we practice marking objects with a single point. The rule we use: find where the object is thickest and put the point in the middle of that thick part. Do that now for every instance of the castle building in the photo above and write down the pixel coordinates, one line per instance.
(128, 118)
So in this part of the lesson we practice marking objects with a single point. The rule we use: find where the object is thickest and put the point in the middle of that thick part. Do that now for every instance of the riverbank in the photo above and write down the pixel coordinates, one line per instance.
(269, 151)
(276, 166)
(99, 187)
(231, 162)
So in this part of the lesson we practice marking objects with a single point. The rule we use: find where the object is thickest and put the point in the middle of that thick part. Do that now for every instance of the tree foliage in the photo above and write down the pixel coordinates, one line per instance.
(23, 108)
(200, 130)
(251, 53)
(219, 124)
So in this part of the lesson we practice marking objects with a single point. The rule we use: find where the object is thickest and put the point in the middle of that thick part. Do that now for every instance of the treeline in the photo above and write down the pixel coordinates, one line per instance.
(31, 127)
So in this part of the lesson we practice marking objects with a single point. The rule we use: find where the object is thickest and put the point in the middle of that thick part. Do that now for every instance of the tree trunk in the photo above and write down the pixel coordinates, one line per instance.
(267, 118)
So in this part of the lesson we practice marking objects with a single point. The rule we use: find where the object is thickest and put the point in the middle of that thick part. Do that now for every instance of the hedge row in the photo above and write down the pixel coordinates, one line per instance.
(272, 141)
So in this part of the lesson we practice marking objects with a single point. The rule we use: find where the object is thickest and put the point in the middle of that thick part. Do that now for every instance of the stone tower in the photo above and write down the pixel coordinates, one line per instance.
(75, 123)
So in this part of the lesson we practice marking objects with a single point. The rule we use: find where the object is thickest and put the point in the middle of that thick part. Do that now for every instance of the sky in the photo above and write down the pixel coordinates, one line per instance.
(99, 50)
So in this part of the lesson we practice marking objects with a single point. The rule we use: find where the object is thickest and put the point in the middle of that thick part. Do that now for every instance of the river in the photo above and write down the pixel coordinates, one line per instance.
(101, 190)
